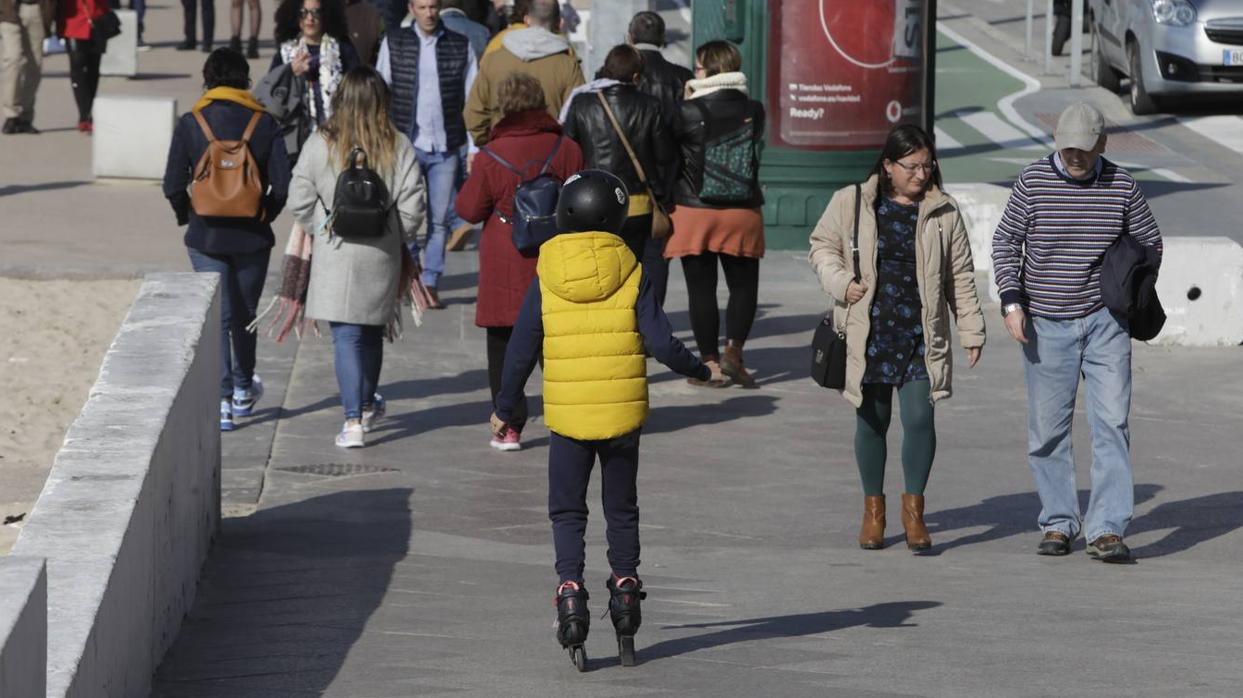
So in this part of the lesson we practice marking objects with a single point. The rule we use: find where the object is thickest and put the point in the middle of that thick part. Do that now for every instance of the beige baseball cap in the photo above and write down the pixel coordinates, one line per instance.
(1080, 126)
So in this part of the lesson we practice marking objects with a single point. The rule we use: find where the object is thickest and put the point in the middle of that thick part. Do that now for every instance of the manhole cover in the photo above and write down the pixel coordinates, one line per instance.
(337, 469)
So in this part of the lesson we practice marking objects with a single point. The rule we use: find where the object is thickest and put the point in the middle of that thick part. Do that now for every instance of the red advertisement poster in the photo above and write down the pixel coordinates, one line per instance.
(841, 73)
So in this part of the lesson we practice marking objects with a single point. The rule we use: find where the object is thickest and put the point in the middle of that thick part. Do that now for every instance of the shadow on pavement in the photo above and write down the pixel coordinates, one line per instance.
(1190, 522)
(677, 417)
(286, 594)
(882, 615)
(1005, 516)
(15, 189)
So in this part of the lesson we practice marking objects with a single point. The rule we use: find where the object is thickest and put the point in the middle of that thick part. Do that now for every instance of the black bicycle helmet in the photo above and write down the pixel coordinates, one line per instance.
(592, 200)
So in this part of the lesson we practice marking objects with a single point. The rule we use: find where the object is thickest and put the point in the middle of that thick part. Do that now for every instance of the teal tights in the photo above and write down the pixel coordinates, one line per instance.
(919, 435)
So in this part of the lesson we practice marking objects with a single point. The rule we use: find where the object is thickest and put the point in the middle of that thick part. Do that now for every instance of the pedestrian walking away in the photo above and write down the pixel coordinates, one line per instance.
(431, 70)
(1064, 212)
(235, 22)
(644, 132)
(23, 26)
(661, 79)
(358, 276)
(717, 218)
(915, 271)
(366, 26)
(235, 247)
(525, 137)
(189, 10)
(592, 314)
(536, 50)
(76, 25)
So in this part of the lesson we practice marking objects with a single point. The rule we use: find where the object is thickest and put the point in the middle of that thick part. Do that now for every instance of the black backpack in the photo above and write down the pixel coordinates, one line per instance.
(360, 202)
(535, 203)
(731, 161)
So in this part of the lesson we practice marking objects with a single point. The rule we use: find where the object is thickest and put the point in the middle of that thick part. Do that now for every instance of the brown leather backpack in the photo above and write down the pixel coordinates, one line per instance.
(227, 183)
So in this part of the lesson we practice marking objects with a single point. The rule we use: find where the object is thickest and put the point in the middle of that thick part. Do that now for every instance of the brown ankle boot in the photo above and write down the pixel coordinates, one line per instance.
(872, 532)
(731, 364)
(917, 537)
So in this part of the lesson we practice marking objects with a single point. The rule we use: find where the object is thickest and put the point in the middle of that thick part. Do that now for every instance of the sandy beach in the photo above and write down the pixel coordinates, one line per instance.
(53, 336)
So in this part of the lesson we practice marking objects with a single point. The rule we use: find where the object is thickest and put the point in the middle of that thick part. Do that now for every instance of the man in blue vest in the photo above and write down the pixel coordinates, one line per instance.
(431, 70)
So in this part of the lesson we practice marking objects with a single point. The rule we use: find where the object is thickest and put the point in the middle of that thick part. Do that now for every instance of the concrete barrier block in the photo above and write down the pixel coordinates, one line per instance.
(23, 627)
(133, 499)
(981, 206)
(132, 135)
(121, 56)
(1201, 288)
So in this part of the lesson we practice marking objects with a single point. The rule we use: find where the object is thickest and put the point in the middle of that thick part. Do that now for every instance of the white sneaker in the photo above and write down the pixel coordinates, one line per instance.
(378, 409)
(244, 400)
(351, 436)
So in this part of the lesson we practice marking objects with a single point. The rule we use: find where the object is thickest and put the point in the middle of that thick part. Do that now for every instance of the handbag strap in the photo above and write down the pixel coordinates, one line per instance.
(854, 243)
(634, 160)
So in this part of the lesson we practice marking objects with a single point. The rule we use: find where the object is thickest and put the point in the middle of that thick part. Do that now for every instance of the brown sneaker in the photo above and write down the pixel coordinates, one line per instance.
(458, 239)
(1054, 543)
(1109, 548)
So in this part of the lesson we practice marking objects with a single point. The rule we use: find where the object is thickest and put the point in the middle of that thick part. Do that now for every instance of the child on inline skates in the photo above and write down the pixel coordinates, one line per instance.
(593, 314)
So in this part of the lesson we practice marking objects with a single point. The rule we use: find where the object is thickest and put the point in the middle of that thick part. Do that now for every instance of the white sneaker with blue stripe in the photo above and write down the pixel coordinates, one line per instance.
(244, 400)
(226, 416)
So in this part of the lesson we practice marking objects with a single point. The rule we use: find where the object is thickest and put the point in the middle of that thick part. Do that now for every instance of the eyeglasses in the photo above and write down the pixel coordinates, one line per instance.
(310, 14)
(700, 67)
(925, 167)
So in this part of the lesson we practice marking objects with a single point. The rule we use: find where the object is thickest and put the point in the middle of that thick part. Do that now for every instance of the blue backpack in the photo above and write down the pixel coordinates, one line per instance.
(535, 203)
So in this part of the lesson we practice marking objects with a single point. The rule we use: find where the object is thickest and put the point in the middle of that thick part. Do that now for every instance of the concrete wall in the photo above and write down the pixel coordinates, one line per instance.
(133, 499)
(23, 627)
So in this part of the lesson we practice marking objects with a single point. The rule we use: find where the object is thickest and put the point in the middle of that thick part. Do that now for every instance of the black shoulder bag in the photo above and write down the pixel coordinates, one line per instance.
(828, 345)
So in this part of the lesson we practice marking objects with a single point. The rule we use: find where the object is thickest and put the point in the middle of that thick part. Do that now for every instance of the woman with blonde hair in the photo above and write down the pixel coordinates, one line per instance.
(355, 282)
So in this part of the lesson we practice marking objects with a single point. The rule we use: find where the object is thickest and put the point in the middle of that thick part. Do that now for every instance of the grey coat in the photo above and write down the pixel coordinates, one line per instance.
(355, 281)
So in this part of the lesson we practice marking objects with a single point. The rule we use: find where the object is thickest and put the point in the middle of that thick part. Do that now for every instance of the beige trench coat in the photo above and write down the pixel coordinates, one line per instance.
(944, 271)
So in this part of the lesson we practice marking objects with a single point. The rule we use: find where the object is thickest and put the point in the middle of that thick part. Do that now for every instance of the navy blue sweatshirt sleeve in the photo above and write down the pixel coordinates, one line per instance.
(177, 174)
(522, 353)
(658, 336)
(279, 174)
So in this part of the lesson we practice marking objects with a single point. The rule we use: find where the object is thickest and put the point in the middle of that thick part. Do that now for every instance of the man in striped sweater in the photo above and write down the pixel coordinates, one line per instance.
(1063, 213)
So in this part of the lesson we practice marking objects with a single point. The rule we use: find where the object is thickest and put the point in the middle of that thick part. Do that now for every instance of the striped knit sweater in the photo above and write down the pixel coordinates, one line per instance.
(1048, 246)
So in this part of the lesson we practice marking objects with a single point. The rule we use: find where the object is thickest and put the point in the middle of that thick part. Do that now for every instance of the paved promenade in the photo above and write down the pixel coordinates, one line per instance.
(422, 565)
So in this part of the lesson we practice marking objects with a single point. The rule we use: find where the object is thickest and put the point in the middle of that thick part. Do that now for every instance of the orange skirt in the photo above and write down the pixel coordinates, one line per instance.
(738, 232)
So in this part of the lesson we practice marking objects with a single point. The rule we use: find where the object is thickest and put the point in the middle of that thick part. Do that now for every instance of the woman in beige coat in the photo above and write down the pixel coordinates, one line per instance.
(354, 283)
(915, 269)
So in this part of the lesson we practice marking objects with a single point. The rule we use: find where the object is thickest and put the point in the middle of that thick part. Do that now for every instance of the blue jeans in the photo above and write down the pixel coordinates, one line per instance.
(241, 284)
(1058, 352)
(358, 351)
(440, 173)
(455, 221)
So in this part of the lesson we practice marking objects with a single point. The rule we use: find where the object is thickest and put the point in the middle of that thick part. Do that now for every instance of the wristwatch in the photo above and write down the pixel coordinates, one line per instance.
(1010, 308)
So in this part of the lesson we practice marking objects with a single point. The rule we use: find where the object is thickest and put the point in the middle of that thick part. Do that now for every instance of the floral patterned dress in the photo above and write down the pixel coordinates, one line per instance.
(895, 348)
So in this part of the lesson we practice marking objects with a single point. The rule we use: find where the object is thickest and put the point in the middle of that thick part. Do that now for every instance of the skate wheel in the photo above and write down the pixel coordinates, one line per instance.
(625, 649)
(578, 655)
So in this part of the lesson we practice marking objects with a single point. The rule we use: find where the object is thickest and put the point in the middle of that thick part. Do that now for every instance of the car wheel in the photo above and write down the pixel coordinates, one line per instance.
(1141, 101)
(1061, 33)
(1103, 74)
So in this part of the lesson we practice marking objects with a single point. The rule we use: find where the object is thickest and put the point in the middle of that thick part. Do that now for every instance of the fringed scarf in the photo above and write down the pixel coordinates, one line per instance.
(290, 300)
(330, 72)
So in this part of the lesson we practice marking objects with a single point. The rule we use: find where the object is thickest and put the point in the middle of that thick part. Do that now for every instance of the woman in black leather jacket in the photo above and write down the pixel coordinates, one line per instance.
(645, 127)
(718, 200)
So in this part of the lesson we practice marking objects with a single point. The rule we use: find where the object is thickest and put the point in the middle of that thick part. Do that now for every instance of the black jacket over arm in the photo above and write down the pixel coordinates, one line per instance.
(227, 235)
(640, 117)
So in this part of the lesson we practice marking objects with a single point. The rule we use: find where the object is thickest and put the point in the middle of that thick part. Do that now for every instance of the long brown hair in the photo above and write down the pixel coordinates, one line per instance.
(360, 117)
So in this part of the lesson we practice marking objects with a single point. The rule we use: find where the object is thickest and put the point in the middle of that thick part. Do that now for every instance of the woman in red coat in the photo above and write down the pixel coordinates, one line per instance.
(524, 137)
(74, 21)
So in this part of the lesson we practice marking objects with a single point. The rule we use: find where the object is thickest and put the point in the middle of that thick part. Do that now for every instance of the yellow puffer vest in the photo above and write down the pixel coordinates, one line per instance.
(595, 373)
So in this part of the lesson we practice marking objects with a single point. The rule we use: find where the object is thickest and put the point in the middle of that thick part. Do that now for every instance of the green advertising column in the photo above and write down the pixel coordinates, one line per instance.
(834, 77)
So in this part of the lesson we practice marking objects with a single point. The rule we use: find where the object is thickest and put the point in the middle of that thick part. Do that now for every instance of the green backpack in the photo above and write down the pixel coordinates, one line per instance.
(731, 161)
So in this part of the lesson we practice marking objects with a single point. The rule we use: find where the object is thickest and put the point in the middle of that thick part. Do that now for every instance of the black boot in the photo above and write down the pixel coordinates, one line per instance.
(625, 597)
(252, 47)
(235, 43)
(573, 621)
